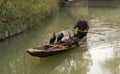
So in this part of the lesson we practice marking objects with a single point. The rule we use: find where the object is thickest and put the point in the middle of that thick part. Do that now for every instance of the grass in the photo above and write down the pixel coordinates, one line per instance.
(19, 15)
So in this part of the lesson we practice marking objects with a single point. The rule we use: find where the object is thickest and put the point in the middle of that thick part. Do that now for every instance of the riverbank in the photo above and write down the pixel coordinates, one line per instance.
(19, 16)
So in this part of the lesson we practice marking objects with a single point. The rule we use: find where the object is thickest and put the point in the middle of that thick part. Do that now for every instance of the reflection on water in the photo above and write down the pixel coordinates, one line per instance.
(78, 63)
(68, 62)
(112, 65)
(99, 54)
(105, 50)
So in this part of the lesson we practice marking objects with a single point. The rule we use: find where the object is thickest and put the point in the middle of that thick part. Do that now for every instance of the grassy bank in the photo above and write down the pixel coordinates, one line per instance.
(17, 16)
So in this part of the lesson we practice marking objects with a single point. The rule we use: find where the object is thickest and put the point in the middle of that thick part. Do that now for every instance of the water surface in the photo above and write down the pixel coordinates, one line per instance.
(100, 54)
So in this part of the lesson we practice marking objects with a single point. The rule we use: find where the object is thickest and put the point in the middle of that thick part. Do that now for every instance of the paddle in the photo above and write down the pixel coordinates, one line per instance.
(96, 33)
(90, 32)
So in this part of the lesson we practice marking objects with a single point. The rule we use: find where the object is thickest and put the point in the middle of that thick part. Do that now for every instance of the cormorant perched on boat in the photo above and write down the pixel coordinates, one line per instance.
(60, 36)
(52, 39)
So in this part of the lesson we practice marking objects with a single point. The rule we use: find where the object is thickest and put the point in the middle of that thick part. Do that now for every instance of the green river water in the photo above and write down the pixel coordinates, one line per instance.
(100, 54)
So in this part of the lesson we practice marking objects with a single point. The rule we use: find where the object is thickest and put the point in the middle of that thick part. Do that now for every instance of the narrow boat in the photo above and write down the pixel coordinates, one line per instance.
(53, 49)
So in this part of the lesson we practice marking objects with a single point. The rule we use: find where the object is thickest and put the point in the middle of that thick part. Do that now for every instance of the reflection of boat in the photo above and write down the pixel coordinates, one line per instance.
(49, 50)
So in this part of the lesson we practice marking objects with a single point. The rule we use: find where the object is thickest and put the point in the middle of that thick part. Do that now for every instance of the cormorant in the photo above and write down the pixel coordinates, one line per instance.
(52, 39)
(60, 36)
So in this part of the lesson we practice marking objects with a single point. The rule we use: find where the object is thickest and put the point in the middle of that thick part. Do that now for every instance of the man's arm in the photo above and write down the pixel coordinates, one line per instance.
(76, 26)
(87, 27)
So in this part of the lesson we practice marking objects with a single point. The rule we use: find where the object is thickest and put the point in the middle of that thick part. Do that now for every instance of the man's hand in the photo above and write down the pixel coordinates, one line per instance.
(85, 31)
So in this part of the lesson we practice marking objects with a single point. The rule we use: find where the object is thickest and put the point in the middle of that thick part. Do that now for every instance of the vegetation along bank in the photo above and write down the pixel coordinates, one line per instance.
(17, 16)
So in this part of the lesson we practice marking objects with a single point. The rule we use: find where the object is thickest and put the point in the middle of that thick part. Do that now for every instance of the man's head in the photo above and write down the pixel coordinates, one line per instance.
(81, 19)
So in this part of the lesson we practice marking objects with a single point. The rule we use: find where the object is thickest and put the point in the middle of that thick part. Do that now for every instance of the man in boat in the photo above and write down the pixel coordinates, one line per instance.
(82, 27)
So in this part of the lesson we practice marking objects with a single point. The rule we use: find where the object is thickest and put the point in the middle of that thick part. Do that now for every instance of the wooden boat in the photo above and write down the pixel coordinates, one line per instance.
(49, 50)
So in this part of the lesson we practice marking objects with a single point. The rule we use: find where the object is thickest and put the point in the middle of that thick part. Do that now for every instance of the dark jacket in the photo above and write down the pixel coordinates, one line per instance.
(81, 25)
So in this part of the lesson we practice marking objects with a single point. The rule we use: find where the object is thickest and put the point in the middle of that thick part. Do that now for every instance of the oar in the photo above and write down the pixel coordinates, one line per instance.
(96, 33)
(92, 32)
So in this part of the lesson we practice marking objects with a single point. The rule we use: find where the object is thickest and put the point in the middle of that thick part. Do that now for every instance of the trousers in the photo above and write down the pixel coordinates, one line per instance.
(80, 35)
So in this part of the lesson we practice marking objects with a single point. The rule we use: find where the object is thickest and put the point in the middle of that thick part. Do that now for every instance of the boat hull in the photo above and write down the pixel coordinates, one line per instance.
(45, 53)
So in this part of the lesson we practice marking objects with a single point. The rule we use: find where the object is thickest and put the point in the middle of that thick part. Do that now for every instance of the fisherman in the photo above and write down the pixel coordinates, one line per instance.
(82, 27)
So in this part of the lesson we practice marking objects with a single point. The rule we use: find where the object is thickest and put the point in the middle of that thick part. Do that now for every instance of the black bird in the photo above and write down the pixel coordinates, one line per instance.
(52, 39)
(60, 36)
